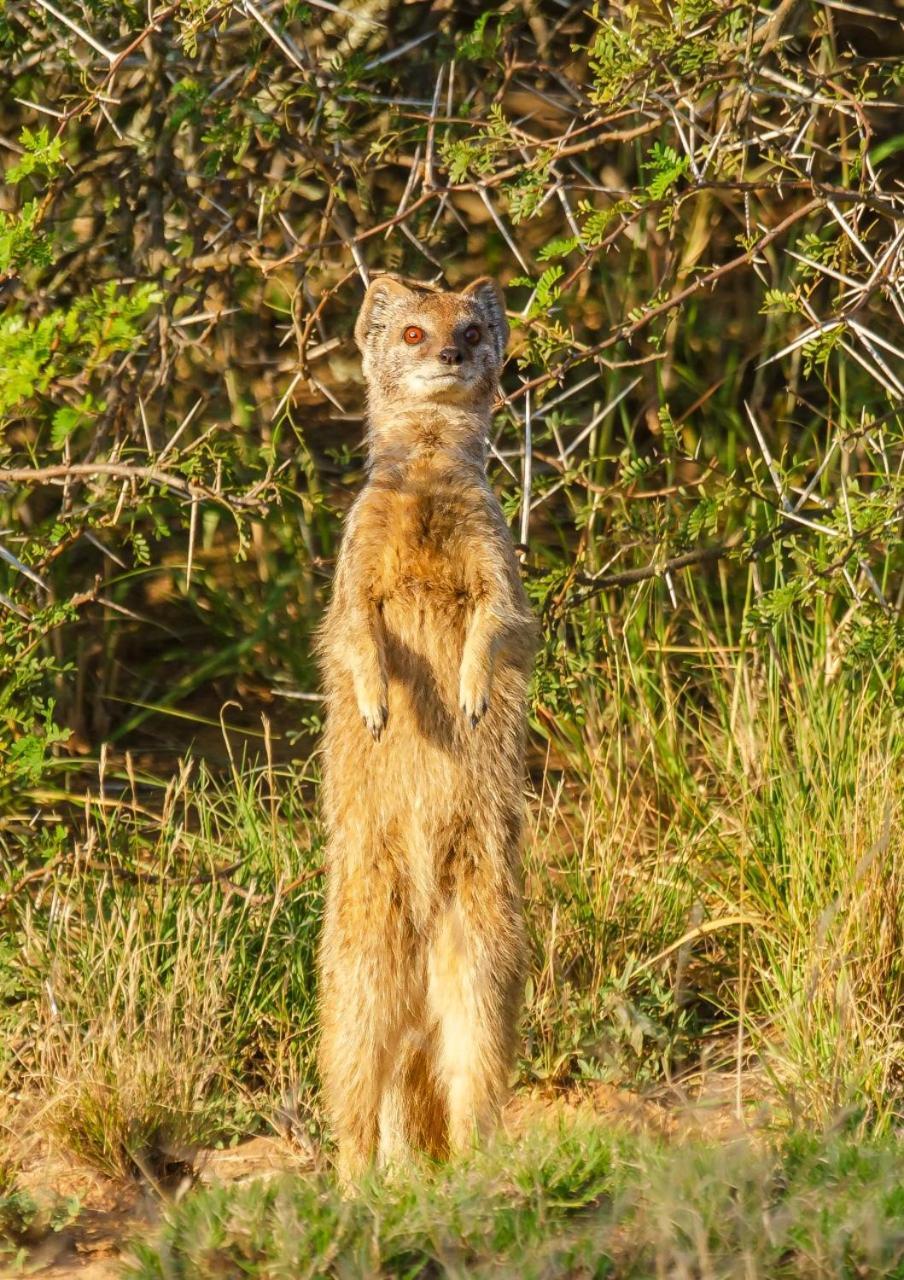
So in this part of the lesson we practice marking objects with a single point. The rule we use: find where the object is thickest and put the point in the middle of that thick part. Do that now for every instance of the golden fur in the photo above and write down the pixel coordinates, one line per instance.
(425, 650)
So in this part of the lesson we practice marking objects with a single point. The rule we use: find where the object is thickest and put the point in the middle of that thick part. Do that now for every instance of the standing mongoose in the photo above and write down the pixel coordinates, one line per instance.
(426, 650)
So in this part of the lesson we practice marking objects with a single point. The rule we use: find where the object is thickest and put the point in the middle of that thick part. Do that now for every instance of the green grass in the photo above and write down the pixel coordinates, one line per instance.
(580, 1201)
(721, 874)
(714, 886)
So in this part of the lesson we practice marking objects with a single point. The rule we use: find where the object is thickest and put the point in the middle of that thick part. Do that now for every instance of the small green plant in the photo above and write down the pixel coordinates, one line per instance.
(573, 1200)
(25, 1219)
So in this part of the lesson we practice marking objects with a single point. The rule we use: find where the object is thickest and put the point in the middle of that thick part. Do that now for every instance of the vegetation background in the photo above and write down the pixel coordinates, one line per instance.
(696, 209)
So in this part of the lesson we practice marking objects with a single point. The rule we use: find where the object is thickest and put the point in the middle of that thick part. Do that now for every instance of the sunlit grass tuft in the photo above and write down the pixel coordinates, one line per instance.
(717, 881)
(168, 974)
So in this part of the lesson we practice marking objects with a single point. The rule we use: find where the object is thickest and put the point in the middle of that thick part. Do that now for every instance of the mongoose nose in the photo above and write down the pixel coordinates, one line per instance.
(450, 355)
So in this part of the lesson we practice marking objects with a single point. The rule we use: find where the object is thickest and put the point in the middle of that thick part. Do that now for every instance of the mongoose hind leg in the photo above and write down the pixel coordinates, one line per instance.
(474, 982)
(351, 1083)
(413, 1111)
(363, 967)
(353, 1065)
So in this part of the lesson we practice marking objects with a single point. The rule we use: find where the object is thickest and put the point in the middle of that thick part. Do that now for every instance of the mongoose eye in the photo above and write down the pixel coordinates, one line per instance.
(413, 335)
(472, 334)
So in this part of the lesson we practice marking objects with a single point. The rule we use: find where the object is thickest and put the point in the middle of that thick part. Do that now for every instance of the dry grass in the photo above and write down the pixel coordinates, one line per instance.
(711, 889)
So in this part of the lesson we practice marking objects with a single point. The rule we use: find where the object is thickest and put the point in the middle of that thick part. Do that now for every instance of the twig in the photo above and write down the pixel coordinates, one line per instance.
(122, 470)
(281, 41)
(701, 931)
(628, 577)
(526, 473)
(83, 35)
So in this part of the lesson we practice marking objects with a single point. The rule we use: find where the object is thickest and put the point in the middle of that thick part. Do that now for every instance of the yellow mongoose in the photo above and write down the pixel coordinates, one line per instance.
(425, 650)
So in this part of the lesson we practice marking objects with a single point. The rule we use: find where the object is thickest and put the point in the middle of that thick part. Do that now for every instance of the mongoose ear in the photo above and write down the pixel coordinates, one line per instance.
(380, 293)
(488, 293)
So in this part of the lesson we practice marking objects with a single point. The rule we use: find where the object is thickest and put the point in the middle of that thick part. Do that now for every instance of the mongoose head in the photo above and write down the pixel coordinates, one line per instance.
(425, 348)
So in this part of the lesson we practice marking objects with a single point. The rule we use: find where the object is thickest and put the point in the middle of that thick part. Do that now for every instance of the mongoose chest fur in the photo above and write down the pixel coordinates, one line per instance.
(425, 651)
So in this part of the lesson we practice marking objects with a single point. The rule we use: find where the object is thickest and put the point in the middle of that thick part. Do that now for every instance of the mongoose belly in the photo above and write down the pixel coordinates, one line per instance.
(432, 776)
(424, 632)
(430, 765)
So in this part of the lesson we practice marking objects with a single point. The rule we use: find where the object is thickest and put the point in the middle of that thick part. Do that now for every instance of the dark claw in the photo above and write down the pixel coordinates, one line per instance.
(376, 730)
(476, 716)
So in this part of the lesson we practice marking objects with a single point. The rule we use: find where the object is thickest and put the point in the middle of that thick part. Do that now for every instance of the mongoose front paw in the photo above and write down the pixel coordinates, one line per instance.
(372, 700)
(474, 697)
(374, 715)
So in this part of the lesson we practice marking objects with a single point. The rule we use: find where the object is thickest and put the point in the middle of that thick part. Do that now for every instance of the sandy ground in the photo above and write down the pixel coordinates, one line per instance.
(112, 1214)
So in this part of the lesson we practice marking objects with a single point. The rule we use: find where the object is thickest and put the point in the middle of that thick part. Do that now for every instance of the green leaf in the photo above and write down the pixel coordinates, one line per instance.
(69, 418)
(666, 168)
(22, 241)
(42, 154)
(558, 249)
